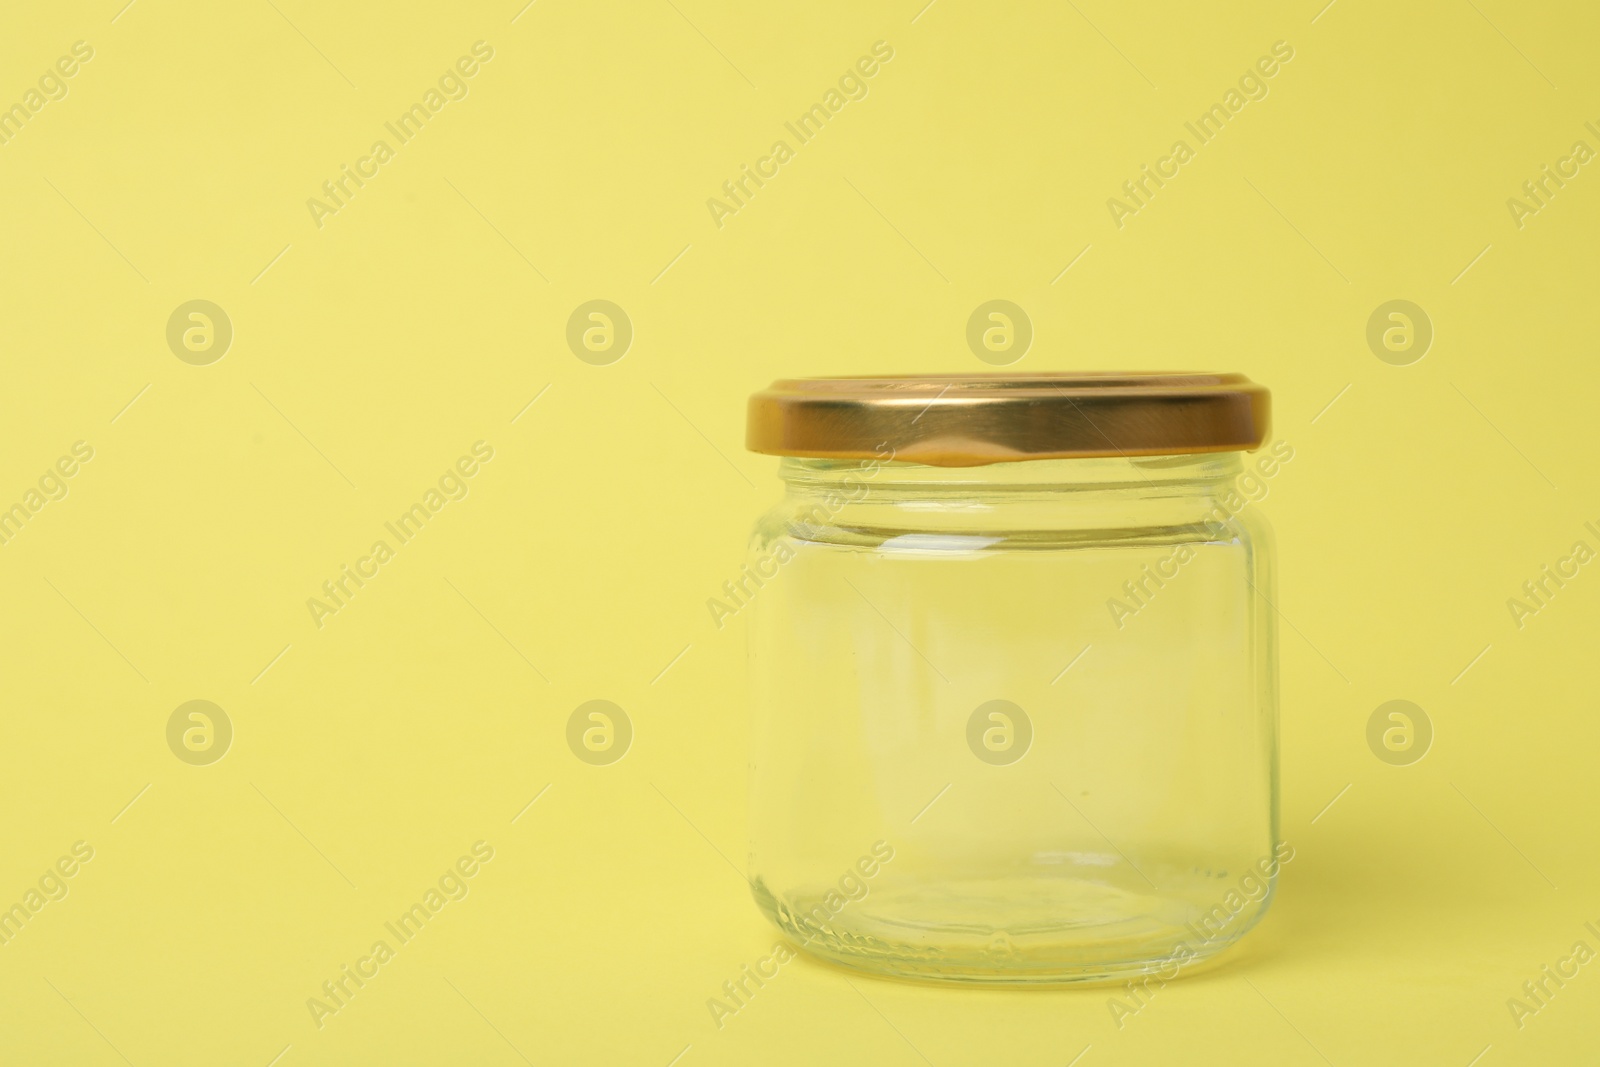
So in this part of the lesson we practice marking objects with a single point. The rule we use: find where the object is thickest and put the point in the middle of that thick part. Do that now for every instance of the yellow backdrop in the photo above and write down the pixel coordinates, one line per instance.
(283, 281)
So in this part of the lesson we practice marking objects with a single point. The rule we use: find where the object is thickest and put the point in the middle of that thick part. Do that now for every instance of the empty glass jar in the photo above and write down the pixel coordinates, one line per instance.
(1014, 669)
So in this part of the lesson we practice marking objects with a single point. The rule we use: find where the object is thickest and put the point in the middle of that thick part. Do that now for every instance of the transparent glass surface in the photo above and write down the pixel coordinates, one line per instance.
(1017, 722)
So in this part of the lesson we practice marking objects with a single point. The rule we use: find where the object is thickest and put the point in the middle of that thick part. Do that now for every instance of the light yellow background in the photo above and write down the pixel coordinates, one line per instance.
(431, 310)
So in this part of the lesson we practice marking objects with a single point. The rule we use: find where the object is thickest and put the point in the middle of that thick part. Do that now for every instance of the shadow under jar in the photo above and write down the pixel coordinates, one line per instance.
(1013, 653)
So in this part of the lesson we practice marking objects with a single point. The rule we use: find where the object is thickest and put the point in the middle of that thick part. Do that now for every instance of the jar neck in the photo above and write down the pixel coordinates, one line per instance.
(1086, 494)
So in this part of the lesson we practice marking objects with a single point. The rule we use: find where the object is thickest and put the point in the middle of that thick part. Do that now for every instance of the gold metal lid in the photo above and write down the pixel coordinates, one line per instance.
(965, 420)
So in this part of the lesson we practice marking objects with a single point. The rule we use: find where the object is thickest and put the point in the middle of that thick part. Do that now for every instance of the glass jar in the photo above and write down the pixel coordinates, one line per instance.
(1013, 653)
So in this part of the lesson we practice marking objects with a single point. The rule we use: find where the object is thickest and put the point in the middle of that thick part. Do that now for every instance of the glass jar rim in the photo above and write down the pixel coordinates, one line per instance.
(962, 420)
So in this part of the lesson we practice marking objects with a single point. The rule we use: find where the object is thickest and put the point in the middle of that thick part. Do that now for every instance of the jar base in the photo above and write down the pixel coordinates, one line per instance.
(1033, 932)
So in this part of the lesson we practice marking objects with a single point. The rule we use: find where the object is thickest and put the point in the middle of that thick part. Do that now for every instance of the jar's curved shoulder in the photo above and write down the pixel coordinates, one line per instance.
(1255, 528)
(791, 520)
(771, 527)
(1255, 532)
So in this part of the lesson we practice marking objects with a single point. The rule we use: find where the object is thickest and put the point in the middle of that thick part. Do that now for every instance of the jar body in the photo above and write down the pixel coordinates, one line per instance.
(1014, 723)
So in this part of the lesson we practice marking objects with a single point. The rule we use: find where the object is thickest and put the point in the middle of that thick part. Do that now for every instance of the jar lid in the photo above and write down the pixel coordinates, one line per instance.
(965, 420)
